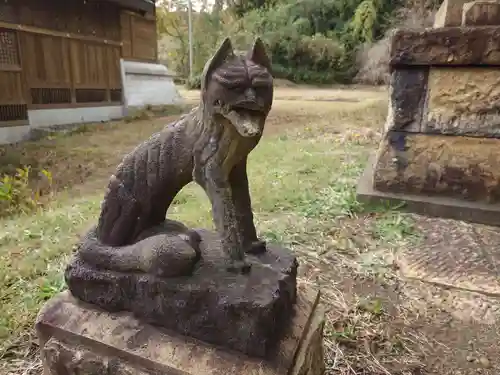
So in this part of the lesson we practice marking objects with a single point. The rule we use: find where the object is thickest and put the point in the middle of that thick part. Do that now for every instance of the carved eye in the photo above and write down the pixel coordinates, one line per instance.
(218, 103)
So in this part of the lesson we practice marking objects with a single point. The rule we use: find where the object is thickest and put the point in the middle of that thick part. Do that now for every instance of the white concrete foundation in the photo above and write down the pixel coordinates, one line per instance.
(13, 134)
(147, 84)
(52, 117)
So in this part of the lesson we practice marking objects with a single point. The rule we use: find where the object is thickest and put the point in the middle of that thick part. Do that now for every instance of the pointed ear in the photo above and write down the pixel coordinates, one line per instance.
(259, 55)
(224, 52)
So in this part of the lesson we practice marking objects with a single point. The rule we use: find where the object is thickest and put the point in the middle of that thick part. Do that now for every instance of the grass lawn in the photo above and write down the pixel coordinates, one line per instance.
(302, 176)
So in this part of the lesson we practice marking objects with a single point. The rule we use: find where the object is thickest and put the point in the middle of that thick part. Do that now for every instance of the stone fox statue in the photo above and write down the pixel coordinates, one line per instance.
(210, 145)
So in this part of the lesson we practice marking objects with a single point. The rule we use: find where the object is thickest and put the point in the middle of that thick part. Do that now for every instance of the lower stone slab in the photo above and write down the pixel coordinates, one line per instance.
(79, 338)
(452, 208)
(449, 263)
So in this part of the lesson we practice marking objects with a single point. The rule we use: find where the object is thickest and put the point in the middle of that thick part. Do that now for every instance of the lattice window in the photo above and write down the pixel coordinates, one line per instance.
(116, 95)
(14, 112)
(90, 95)
(8, 48)
(51, 96)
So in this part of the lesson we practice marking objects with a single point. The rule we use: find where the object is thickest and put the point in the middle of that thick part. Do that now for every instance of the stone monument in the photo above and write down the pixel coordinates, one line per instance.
(147, 295)
(441, 148)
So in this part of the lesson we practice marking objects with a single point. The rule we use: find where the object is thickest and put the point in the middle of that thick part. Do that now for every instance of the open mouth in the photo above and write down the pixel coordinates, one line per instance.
(246, 121)
(246, 105)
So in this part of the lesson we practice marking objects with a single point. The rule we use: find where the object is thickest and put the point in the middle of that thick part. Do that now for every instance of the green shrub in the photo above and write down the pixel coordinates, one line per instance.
(20, 194)
(179, 80)
(309, 41)
(194, 83)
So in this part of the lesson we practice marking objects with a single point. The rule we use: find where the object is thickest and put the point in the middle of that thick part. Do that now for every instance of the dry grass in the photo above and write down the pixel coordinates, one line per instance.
(303, 177)
(349, 94)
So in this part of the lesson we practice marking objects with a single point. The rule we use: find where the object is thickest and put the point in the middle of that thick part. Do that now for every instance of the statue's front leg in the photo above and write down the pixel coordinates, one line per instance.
(224, 214)
(241, 199)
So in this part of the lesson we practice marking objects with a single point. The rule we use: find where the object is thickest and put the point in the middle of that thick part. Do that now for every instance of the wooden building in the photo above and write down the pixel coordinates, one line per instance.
(65, 54)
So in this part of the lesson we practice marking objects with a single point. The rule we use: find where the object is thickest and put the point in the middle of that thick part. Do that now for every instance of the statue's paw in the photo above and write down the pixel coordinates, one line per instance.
(239, 266)
(173, 258)
(256, 247)
(193, 238)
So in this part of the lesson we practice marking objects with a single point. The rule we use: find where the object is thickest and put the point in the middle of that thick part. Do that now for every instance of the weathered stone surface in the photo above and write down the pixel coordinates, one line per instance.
(446, 46)
(80, 338)
(463, 101)
(407, 97)
(449, 13)
(458, 167)
(481, 13)
(245, 312)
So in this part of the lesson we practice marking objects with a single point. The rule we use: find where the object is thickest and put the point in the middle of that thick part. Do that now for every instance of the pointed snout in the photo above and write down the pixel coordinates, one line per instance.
(249, 129)
(245, 124)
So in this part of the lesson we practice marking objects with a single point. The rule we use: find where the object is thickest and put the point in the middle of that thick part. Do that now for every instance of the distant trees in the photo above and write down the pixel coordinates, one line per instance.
(314, 41)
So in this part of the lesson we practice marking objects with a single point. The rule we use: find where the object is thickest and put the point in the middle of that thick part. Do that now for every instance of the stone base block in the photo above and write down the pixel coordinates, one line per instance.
(244, 312)
(77, 338)
(451, 208)
(437, 165)
(463, 101)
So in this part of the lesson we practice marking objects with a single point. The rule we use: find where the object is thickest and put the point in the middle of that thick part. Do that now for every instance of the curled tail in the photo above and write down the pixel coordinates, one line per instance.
(168, 250)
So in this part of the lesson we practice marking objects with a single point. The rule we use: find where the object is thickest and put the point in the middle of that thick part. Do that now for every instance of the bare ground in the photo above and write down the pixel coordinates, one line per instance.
(303, 179)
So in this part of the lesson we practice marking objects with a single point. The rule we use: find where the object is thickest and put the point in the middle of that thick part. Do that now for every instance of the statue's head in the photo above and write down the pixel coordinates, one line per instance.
(239, 88)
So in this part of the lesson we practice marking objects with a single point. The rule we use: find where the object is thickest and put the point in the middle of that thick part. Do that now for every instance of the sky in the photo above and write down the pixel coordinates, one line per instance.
(196, 4)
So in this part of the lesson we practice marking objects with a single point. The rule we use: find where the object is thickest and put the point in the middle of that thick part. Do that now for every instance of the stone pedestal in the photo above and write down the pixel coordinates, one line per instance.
(77, 338)
(243, 312)
(441, 147)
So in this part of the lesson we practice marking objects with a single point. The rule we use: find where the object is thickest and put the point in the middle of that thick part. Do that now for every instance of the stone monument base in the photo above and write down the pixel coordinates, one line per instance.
(434, 206)
(79, 338)
(439, 153)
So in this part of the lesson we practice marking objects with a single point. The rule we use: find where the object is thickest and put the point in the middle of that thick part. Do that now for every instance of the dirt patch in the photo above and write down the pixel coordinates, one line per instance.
(77, 155)
(83, 157)
(457, 342)
(278, 82)
(380, 322)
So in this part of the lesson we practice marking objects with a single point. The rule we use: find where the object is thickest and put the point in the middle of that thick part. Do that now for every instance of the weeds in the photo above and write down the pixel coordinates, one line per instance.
(393, 227)
(19, 194)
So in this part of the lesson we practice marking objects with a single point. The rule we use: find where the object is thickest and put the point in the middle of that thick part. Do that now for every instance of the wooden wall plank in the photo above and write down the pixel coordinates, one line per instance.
(113, 63)
(126, 34)
(67, 53)
(12, 88)
(95, 18)
(139, 37)
(144, 39)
